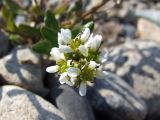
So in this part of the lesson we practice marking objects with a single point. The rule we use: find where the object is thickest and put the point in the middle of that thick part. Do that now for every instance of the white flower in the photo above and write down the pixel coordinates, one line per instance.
(85, 35)
(83, 89)
(92, 65)
(83, 59)
(73, 72)
(64, 37)
(96, 42)
(63, 78)
(56, 54)
(65, 49)
(52, 69)
(83, 50)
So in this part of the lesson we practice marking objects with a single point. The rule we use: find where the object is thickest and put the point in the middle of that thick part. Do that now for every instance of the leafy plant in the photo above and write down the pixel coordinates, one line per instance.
(37, 25)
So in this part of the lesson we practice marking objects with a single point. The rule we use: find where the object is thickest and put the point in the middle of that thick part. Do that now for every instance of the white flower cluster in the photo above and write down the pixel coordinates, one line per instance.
(77, 60)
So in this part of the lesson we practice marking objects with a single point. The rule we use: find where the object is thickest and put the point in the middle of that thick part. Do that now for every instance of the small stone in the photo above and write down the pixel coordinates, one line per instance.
(148, 30)
(19, 104)
(72, 105)
(22, 67)
(115, 99)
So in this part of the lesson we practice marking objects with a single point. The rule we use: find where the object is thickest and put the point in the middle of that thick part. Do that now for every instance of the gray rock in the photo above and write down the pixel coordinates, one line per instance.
(152, 15)
(129, 30)
(115, 99)
(4, 44)
(18, 104)
(70, 102)
(22, 67)
(138, 63)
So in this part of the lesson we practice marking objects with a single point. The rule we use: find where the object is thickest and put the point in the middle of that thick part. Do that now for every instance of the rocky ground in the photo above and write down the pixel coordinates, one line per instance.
(131, 33)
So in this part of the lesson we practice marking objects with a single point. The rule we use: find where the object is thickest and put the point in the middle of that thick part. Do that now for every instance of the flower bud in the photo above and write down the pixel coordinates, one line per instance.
(66, 33)
(96, 42)
(85, 35)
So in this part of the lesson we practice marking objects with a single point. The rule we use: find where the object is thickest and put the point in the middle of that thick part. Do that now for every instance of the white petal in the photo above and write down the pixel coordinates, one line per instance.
(73, 72)
(96, 42)
(65, 49)
(92, 64)
(88, 43)
(73, 80)
(69, 83)
(52, 69)
(57, 54)
(62, 56)
(66, 33)
(63, 78)
(83, 89)
(101, 74)
(85, 35)
(60, 39)
(83, 50)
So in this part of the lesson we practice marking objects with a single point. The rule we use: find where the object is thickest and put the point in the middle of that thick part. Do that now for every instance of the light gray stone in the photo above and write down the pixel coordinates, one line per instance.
(72, 105)
(115, 99)
(22, 67)
(138, 63)
(18, 104)
(150, 14)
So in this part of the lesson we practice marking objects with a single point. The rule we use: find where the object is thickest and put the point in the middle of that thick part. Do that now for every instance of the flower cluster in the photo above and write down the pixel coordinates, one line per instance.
(77, 60)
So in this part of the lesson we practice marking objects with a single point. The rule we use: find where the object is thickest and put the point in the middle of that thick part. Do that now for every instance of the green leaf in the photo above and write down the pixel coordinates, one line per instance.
(50, 35)
(43, 46)
(10, 23)
(16, 38)
(12, 6)
(76, 31)
(4, 13)
(50, 21)
(28, 30)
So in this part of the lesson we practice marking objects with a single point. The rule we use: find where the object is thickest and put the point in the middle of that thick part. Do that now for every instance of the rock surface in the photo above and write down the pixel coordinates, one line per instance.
(73, 106)
(151, 14)
(4, 44)
(148, 30)
(116, 100)
(138, 63)
(18, 104)
(22, 67)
